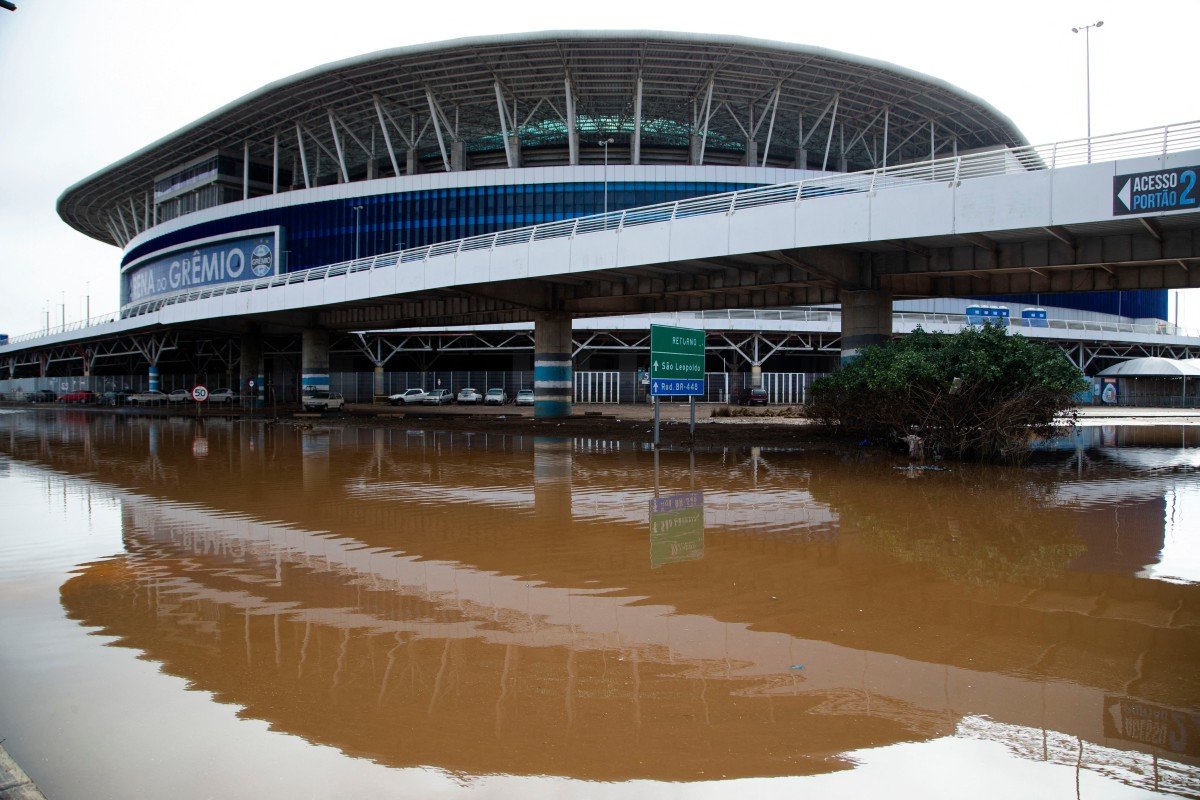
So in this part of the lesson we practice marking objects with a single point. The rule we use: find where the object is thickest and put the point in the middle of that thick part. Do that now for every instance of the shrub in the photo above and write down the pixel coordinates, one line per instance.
(981, 393)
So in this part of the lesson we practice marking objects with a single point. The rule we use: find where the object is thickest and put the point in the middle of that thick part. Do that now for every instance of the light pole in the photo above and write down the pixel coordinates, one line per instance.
(357, 216)
(1087, 49)
(605, 143)
(87, 303)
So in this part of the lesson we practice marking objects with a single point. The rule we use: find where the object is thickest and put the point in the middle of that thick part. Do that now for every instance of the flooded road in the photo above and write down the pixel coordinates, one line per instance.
(243, 609)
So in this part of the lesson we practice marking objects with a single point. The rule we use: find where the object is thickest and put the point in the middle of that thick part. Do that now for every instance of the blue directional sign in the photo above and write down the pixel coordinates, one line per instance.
(1158, 190)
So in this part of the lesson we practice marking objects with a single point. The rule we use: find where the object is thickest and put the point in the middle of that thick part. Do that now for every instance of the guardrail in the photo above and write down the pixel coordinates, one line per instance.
(953, 170)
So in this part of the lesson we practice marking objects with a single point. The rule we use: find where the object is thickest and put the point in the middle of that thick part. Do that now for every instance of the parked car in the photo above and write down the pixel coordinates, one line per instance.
(179, 396)
(495, 397)
(81, 396)
(155, 398)
(407, 397)
(112, 398)
(525, 397)
(438, 397)
(469, 396)
(42, 396)
(226, 396)
(322, 401)
(751, 397)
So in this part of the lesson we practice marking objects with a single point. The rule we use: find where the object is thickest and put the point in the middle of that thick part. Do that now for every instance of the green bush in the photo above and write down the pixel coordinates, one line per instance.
(981, 393)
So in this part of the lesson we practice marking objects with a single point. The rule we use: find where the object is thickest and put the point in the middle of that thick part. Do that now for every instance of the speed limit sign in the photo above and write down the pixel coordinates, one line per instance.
(200, 394)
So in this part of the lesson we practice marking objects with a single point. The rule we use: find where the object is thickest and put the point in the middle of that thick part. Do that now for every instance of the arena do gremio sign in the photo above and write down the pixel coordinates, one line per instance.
(1159, 190)
(205, 263)
(676, 361)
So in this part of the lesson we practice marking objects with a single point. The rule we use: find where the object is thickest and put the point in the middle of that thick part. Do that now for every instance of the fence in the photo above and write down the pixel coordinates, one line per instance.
(600, 387)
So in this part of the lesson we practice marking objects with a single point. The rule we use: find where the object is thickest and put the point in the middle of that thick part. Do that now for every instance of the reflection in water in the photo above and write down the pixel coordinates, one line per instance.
(484, 605)
(676, 528)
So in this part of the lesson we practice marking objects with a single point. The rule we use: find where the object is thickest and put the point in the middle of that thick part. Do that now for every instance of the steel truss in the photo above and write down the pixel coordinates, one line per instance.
(380, 347)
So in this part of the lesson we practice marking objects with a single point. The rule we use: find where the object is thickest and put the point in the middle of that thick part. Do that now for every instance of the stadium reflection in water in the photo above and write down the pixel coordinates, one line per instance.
(590, 611)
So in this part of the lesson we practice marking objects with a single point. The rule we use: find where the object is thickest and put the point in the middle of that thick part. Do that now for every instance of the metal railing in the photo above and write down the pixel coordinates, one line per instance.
(1147, 142)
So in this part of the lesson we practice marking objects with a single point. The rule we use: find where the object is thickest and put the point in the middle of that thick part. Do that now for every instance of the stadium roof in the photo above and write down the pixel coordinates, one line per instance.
(443, 100)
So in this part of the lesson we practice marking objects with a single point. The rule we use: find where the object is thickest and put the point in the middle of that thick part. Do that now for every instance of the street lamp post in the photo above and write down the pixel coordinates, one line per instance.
(357, 217)
(605, 143)
(1087, 49)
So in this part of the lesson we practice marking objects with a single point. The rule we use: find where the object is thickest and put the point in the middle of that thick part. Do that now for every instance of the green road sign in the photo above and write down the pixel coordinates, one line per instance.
(676, 361)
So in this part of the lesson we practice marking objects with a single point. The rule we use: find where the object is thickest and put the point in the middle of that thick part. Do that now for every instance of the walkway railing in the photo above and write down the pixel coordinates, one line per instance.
(1147, 142)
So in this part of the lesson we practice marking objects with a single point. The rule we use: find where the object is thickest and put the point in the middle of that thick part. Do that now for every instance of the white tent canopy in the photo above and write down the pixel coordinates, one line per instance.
(1153, 367)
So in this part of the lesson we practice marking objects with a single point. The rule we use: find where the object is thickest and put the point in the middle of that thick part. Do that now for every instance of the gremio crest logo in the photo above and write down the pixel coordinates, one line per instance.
(261, 261)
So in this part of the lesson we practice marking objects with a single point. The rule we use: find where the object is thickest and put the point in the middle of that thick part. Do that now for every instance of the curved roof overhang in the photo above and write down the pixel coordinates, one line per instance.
(730, 89)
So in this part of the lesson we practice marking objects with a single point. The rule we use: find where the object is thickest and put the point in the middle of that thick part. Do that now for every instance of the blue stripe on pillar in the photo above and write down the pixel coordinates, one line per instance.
(154, 381)
(552, 384)
(314, 381)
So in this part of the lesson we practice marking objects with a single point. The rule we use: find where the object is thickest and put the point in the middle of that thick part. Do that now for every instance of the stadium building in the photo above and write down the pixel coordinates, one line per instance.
(423, 145)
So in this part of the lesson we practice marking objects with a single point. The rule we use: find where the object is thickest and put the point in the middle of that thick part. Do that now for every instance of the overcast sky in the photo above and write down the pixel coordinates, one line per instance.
(86, 83)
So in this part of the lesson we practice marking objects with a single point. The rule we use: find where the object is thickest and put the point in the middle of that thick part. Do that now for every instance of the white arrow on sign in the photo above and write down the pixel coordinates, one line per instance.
(655, 366)
(1125, 196)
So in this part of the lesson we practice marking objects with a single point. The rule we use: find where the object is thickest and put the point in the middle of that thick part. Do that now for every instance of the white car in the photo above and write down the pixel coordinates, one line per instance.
(495, 397)
(226, 396)
(525, 397)
(322, 401)
(179, 396)
(407, 397)
(469, 396)
(146, 399)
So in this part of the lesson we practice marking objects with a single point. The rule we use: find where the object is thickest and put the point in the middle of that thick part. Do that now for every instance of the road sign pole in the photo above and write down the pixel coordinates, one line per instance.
(655, 421)
(692, 426)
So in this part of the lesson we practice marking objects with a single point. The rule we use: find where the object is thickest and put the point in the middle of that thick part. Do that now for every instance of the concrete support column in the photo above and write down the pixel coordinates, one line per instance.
(411, 165)
(154, 381)
(755, 376)
(251, 370)
(314, 361)
(377, 387)
(458, 156)
(552, 381)
(751, 159)
(866, 320)
(802, 158)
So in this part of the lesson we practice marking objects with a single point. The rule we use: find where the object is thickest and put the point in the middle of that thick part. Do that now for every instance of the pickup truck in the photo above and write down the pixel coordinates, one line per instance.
(322, 401)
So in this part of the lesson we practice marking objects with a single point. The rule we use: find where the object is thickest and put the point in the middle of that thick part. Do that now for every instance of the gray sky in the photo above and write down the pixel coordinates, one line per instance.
(87, 82)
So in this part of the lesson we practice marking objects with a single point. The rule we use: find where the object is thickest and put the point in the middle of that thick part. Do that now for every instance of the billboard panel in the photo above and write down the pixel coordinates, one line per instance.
(248, 255)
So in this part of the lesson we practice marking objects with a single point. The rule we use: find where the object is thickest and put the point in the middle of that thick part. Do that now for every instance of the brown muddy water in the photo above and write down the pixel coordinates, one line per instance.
(229, 609)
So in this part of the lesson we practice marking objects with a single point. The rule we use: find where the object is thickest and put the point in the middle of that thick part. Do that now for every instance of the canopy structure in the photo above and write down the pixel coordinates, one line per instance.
(1153, 367)
(555, 98)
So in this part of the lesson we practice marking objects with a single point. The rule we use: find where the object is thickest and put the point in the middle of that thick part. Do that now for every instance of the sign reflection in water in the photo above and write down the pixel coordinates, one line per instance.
(483, 605)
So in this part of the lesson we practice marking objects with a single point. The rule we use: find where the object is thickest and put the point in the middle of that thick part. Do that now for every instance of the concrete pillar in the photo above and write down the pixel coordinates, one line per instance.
(458, 156)
(314, 361)
(751, 159)
(552, 381)
(802, 158)
(755, 376)
(377, 388)
(411, 164)
(154, 382)
(251, 370)
(866, 320)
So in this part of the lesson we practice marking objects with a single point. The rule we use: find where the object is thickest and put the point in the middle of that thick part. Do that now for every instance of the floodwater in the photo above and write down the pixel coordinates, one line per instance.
(229, 609)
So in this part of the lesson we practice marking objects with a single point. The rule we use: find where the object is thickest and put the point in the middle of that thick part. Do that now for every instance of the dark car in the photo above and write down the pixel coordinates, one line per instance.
(111, 398)
(751, 397)
(43, 396)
